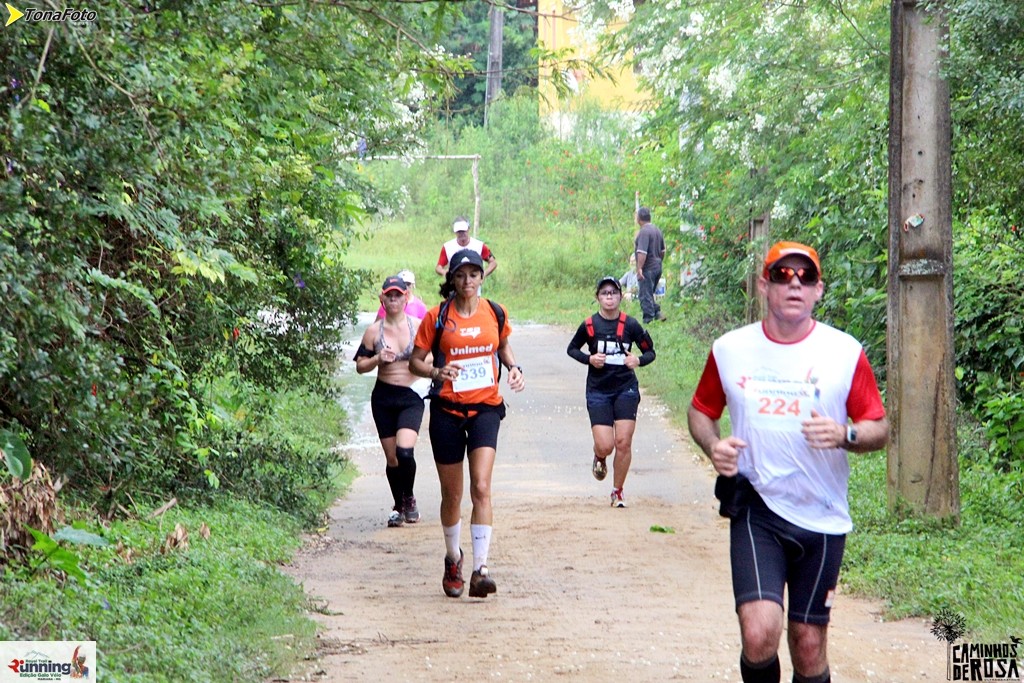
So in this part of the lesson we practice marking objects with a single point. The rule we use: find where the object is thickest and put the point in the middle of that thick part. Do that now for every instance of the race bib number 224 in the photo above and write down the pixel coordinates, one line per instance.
(778, 406)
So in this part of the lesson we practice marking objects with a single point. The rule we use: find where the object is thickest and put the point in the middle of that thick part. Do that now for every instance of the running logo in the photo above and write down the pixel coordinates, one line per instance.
(41, 660)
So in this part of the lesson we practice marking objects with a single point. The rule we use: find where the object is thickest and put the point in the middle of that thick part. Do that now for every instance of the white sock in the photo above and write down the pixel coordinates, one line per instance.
(451, 540)
(481, 544)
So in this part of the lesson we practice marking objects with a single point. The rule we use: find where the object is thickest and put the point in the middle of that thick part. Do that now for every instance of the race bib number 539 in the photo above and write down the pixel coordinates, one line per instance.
(476, 373)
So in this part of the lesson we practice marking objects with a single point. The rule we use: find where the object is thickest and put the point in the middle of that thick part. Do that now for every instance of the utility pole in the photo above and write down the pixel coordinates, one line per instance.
(921, 391)
(494, 58)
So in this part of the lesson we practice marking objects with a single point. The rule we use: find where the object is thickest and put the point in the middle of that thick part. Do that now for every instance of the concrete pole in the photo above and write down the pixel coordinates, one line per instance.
(922, 454)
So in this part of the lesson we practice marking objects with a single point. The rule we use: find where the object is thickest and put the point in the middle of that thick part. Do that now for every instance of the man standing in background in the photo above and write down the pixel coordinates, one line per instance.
(649, 246)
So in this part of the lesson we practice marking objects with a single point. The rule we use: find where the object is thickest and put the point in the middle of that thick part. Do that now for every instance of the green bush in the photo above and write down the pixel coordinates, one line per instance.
(989, 331)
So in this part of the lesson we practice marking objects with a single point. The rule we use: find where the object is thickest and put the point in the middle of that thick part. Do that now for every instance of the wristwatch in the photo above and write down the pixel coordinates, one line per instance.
(851, 434)
(517, 367)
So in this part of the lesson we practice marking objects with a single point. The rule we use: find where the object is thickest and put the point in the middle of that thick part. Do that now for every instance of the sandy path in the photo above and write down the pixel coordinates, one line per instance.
(585, 592)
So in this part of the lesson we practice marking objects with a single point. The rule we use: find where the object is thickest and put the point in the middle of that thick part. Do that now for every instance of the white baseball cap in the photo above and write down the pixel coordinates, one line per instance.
(459, 226)
(407, 275)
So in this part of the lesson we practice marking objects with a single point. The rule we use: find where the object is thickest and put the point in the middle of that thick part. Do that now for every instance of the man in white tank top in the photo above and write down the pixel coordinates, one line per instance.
(801, 395)
(462, 240)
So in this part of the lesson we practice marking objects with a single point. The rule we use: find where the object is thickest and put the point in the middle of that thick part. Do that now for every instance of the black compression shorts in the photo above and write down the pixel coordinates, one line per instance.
(605, 408)
(452, 436)
(395, 407)
(768, 553)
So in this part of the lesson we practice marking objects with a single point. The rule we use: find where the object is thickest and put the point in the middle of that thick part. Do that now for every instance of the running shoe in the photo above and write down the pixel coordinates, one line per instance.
(481, 584)
(453, 581)
(617, 500)
(396, 518)
(412, 513)
(599, 468)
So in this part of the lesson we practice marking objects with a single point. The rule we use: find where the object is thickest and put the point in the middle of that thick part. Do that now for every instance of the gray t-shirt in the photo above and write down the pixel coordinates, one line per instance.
(650, 241)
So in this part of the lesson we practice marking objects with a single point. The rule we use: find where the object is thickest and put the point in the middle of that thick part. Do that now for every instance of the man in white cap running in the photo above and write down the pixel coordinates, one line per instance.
(463, 241)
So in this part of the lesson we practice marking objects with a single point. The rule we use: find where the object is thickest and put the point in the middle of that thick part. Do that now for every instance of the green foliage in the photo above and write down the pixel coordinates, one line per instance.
(470, 36)
(217, 610)
(274, 448)
(921, 567)
(771, 126)
(988, 116)
(177, 203)
(51, 555)
(16, 457)
(1004, 427)
(988, 327)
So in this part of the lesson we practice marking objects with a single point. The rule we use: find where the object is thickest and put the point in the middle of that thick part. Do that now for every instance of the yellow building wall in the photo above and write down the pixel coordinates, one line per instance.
(557, 28)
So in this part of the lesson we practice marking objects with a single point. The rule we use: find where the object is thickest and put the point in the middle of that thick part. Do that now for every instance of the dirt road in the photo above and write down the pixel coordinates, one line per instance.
(585, 592)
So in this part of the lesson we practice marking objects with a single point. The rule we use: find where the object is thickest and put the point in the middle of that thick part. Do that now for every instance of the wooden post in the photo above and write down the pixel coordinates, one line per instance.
(922, 454)
(757, 233)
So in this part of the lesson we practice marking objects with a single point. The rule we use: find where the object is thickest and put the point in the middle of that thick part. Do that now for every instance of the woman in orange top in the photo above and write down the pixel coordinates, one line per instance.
(468, 336)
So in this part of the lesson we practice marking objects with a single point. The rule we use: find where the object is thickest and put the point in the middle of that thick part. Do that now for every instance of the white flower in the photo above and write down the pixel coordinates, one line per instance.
(722, 81)
(780, 211)
(623, 9)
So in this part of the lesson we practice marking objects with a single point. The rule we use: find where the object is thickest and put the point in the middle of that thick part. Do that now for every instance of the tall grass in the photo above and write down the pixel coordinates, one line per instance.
(544, 274)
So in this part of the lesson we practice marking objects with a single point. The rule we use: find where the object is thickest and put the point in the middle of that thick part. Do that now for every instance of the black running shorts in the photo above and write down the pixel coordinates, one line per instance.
(452, 436)
(768, 553)
(395, 407)
(607, 407)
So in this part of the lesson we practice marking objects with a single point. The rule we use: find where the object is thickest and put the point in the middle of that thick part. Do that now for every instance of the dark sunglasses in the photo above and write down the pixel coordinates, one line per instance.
(781, 275)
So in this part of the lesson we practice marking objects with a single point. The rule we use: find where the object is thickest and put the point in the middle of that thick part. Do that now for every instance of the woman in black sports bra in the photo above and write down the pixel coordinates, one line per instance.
(397, 409)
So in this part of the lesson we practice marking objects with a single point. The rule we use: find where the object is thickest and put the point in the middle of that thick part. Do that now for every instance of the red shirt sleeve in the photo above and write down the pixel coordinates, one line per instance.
(485, 253)
(709, 398)
(442, 260)
(864, 401)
